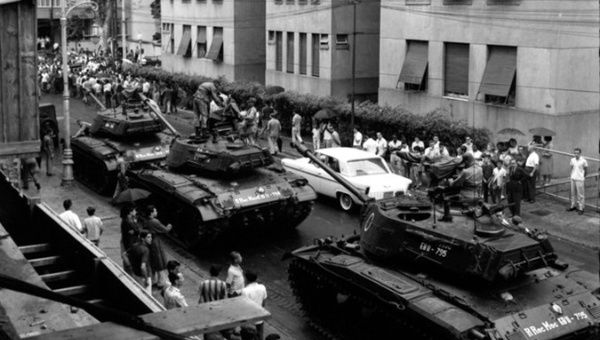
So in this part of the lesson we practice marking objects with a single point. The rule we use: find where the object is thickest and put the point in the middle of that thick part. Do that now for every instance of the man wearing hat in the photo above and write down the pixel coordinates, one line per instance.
(469, 182)
(273, 130)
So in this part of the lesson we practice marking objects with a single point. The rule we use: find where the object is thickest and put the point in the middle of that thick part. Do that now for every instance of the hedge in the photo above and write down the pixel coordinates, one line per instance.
(369, 117)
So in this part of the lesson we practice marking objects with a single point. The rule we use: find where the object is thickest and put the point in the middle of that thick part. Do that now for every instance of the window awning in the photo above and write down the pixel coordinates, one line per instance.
(415, 63)
(201, 39)
(185, 44)
(500, 71)
(216, 47)
(456, 66)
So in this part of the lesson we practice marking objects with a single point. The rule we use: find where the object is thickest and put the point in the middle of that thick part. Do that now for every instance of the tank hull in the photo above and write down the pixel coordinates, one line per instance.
(376, 300)
(203, 209)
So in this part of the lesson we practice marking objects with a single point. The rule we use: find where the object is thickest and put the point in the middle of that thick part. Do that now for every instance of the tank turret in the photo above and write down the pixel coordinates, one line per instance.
(409, 276)
(130, 134)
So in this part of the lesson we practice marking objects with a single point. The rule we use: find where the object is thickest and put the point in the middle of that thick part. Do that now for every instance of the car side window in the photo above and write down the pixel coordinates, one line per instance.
(334, 164)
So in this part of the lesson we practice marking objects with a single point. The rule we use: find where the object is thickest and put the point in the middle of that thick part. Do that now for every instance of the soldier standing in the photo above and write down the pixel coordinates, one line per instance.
(206, 92)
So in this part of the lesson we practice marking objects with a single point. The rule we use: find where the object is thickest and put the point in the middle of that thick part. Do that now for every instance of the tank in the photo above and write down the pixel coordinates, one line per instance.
(215, 185)
(133, 134)
(409, 276)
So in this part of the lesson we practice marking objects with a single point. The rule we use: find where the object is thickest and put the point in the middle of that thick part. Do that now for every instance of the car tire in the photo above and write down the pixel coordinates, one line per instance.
(345, 201)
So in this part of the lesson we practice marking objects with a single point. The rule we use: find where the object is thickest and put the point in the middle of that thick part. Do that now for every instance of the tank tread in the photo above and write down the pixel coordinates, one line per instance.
(92, 172)
(298, 214)
(362, 317)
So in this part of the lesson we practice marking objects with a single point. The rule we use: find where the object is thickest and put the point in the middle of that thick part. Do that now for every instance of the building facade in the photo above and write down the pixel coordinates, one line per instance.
(310, 46)
(140, 26)
(214, 38)
(496, 64)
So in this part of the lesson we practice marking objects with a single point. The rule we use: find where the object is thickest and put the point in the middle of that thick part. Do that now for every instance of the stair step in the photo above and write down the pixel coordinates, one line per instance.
(73, 290)
(35, 248)
(61, 275)
(95, 301)
(45, 261)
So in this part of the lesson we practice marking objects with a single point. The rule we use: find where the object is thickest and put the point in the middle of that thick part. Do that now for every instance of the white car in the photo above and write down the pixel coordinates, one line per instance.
(368, 173)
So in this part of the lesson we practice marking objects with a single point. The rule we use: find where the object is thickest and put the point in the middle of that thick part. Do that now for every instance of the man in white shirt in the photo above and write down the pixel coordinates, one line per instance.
(531, 166)
(370, 145)
(468, 144)
(297, 128)
(381, 145)
(357, 140)
(415, 143)
(258, 294)
(92, 226)
(172, 294)
(71, 218)
(578, 171)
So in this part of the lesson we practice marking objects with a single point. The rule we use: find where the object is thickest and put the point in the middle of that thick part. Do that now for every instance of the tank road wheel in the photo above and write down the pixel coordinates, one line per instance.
(345, 201)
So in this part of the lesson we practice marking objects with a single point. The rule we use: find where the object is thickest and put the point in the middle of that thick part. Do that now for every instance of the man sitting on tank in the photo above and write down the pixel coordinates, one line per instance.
(468, 181)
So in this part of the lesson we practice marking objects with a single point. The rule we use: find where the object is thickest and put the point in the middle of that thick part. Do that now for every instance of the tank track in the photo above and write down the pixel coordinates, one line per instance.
(297, 214)
(93, 173)
(360, 316)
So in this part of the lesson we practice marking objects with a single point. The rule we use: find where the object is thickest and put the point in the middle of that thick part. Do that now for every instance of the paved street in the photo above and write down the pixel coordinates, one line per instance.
(573, 236)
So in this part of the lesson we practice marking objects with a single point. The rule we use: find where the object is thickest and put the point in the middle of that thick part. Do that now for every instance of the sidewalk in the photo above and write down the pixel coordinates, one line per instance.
(546, 214)
(53, 194)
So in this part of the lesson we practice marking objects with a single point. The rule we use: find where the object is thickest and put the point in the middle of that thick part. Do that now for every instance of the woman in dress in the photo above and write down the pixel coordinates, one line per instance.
(547, 161)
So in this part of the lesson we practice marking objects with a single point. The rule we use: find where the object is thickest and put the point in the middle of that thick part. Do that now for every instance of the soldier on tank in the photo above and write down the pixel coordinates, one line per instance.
(206, 92)
(468, 183)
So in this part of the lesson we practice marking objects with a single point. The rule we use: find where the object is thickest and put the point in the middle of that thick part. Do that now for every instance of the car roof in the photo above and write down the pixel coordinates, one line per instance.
(346, 154)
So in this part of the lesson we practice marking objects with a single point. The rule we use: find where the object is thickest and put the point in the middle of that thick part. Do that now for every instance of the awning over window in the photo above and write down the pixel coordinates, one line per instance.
(185, 44)
(415, 63)
(500, 71)
(201, 39)
(216, 47)
(457, 69)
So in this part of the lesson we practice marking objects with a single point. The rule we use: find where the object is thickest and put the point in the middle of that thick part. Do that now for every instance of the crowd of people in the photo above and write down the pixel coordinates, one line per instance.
(146, 260)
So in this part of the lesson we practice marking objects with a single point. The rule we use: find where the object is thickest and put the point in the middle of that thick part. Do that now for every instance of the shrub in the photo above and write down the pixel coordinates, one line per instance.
(369, 116)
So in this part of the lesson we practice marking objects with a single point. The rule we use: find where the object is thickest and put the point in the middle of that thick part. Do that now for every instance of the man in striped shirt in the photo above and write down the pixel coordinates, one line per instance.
(214, 288)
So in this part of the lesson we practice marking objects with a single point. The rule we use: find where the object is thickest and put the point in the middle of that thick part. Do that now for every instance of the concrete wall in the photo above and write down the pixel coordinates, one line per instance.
(557, 79)
(330, 17)
(237, 45)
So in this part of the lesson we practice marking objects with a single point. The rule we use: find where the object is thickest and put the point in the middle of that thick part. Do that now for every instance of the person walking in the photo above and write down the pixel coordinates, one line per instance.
(297, 128)
(213, 288)
(514, 187)
(257, 293)
(69, 217)
(158, 257)
(92, 226)
(547, 161)
(578, 172)
(531, 167)
(138, 257)
(273, 129)
(235, 275)
(381, 145)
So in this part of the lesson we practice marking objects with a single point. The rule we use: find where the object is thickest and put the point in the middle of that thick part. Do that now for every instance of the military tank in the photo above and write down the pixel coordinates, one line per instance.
(131, 133)
(214, 185)
(408, 276)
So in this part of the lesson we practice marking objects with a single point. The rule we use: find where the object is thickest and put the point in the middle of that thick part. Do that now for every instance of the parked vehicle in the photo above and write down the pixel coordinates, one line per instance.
(368, 173)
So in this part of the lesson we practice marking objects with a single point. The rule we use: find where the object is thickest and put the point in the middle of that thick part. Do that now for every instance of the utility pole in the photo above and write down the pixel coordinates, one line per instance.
(67, 176)
(123, 30)
(354, 3)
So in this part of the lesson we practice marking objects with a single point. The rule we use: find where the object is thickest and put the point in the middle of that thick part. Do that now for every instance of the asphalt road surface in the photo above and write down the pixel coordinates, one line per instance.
(263, 252)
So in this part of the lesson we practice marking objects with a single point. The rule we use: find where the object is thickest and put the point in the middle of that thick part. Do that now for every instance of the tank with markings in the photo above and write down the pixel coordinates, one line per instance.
(409, 276)
(215, 185)
(133, 135)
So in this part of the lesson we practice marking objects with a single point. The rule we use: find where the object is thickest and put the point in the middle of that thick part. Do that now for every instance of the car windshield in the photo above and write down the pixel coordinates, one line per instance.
(364, 167)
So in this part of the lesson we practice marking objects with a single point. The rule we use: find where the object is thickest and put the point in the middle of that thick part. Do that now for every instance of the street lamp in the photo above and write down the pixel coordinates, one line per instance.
(67, 176)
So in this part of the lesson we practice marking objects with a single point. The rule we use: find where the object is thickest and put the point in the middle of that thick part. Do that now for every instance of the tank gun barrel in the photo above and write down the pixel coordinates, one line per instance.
(304, 151)
(154, 108)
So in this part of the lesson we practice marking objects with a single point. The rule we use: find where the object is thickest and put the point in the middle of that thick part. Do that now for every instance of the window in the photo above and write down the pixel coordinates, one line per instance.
(458, 2)
(289, 2)
(418, 2)
(201, 41)
(279, 51)
(167, 36)
(316, 56)
(271, 40)
(216, 47)
(456, 69)
(303, 53)
(341, 42)
(172, 39)
(185, 45)
(324, 41)
(498, 83)
(414, 68)
(290, 52)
